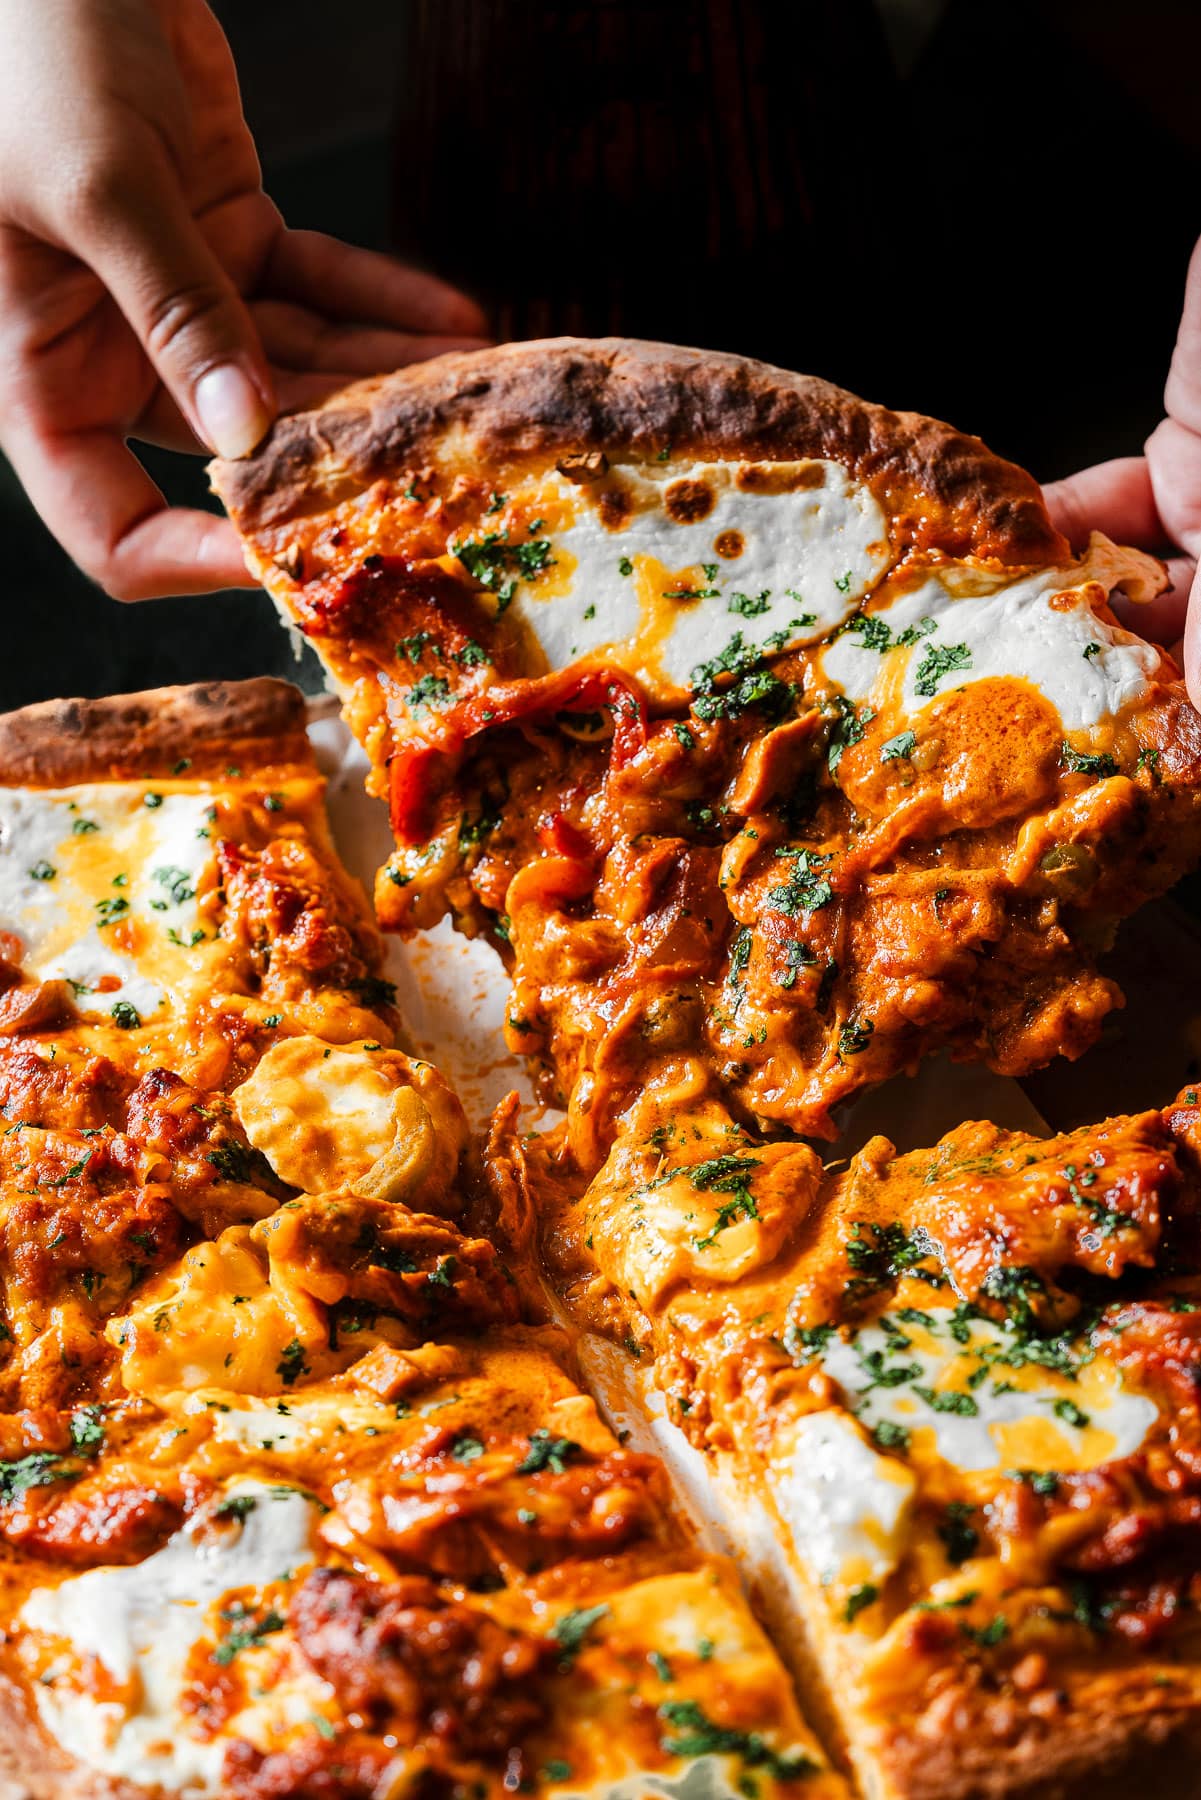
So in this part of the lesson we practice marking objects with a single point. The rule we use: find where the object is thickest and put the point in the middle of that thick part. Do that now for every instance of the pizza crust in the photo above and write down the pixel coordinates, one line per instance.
(211, 723)
(32, 1767)
(946, 490)
(1091, 1754)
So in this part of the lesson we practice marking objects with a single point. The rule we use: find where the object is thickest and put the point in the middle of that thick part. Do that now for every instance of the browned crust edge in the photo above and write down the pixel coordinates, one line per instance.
(210, 724)
(556, 395)
(1096, 1754)
(32, 1767)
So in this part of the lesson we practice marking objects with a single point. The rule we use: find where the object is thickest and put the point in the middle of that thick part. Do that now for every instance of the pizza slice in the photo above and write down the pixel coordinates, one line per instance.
(298, 1496)
(746, 718)
(946, 1403)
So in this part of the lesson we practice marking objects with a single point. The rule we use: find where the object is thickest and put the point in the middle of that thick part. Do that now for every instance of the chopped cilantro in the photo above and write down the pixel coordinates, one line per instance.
(749, 607)
(236, 1506)
(866, 1594)
(292, 1365)
(38, 1470)
(899, 748)
(245, 1633)
(960, 1539)
(693, 1733)
(43, 871)
(1083, 762)
(570, 1631)
(87, 1428)
(547, 1452)
(467, 1448)
(854, 1036)
(937, 661)
(806, 889)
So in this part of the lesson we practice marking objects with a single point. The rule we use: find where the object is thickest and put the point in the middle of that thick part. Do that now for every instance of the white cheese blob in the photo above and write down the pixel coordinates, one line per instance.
(141, 1622)
(663, 595)
(100, 887)
(986, 1405)
(965, 627)
(846, 1506)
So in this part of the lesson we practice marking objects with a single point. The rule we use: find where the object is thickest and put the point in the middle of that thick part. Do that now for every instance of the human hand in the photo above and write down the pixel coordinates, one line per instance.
(149, 287)
(1154, 501)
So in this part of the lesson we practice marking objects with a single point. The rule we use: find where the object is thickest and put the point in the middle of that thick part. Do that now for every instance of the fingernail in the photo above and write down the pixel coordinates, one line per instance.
(233, 414)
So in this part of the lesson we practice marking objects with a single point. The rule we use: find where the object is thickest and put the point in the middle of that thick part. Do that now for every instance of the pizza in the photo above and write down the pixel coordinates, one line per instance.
(945, 1403)
(300, 1493)
(748, 720)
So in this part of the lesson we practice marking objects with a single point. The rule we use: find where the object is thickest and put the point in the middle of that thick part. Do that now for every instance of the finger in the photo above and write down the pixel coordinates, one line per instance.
(1113, 497)
(133, 227)
(1182, 395)
(339, 279)
(107, 513)
(1192, 643)
(298, 339)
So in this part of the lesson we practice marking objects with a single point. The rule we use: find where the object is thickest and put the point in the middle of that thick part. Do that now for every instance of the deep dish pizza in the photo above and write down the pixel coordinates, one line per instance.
(947, 1404)
(750, 720)
(299, 1493)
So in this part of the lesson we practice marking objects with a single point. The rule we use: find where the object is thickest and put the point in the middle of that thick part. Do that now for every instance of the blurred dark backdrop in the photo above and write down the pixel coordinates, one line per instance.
(981, 209)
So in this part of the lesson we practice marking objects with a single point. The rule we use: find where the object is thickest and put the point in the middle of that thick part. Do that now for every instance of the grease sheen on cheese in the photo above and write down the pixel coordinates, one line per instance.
(1041, 628)
(802, 558)
(1019, 1415)
(846, 1506)
(140, 1622)
(101, 887)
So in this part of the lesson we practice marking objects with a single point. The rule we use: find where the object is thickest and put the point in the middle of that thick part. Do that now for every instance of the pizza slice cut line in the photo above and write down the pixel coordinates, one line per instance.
(291, 1491)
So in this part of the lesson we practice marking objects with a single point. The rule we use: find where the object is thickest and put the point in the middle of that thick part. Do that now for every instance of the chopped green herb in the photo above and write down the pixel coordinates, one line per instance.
(43, 871)
(693, 1733)
(749, 607)
(899, 748)
(87, 1428)
(547, 1452)
(38, 1470)
(126, 1015)
(960, 1539)
(292, 1365)
(937, 661)
(1083, 762)
(245, 1633)
(859, 1597)
(235, 1506)
(467, 1448)
(571, 1630)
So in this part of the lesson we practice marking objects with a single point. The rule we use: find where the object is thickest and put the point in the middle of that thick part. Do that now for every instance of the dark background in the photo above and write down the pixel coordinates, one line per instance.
(981, 209)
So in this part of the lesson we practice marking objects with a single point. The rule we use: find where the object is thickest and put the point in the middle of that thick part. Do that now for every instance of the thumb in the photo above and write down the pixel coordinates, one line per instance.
(138, 235)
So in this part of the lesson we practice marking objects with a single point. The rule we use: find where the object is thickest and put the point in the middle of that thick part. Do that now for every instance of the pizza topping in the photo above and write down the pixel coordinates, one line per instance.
(791, 555)
(140, 1624)
(1051, 629)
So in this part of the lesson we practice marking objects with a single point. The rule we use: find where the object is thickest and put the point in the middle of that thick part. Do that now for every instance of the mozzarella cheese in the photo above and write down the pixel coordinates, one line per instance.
(656, 567)
(846, 1507)
(321, 1115)
(961, 626)
(141, 1622)
(980, 1404)
(100, 884)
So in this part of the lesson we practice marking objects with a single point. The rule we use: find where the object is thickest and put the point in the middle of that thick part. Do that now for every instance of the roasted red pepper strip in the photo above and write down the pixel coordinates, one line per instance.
(414, 764)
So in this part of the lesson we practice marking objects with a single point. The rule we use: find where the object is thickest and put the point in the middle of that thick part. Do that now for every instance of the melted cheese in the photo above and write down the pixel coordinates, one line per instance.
(782, 554)
(101, 888)
(846, 1506)
(140, 1624)
(1020, 1415)
(963, 626)
(321, 1116)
